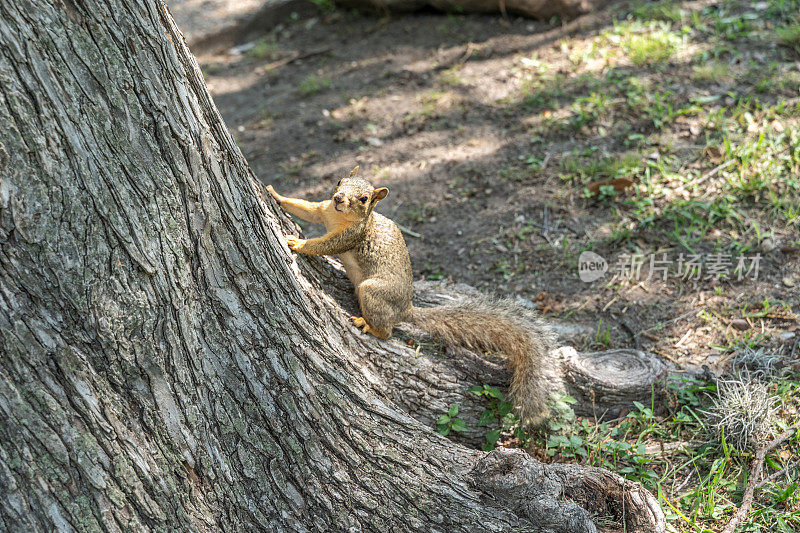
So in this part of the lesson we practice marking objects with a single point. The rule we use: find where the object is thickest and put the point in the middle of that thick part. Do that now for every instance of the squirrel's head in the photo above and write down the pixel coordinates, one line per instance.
(356, 196)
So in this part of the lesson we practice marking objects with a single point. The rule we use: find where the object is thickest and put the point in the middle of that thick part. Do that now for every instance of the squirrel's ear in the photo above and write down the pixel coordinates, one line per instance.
(354, 172)
(380, 194)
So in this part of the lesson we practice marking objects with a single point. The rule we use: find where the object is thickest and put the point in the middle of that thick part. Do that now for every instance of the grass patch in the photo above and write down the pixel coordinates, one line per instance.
(326, 6)
(789, 35)
(313, 84)
(434, 103)
(674, 450)
(651, 49)
(451, 77)
(264, 49)
(647, 11)
(711, 71)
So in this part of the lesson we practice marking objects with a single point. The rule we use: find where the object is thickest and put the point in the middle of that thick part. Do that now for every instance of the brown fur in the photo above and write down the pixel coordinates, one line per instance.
(376, 258)
(504, 327)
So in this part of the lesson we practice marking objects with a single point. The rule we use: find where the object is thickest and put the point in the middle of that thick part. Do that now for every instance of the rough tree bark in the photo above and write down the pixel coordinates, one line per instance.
(164, 363)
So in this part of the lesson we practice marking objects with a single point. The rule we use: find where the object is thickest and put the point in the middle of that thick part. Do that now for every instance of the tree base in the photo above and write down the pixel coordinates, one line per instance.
(564, 498)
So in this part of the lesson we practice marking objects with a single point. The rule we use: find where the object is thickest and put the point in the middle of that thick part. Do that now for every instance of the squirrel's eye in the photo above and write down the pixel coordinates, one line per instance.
(363, 199)
(340, 182)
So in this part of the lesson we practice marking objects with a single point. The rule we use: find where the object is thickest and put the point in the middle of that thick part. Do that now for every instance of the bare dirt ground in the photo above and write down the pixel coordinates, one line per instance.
(443, 110)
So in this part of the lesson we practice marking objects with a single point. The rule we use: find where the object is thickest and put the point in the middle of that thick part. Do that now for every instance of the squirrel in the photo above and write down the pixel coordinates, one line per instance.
(377, 262)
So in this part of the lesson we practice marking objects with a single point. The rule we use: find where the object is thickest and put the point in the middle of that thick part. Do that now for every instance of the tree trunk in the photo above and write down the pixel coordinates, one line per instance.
(166, 363)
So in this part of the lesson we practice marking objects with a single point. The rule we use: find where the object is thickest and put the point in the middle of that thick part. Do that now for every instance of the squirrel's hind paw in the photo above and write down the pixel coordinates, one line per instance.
(359, 322)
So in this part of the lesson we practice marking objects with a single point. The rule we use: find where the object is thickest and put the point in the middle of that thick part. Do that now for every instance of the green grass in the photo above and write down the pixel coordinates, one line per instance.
(666, 10)
(712, 71)
(679, 111)
(451, 77)
(327, 6)
(669, 448)
(582, 167)
(433, 103)
(264, 49)
(589, 109)
(789, 35)
(699, 109)
(651, 49)
(313, 84)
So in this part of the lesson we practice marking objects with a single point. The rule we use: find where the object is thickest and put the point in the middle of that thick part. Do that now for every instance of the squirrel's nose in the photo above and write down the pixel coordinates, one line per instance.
(338, 198)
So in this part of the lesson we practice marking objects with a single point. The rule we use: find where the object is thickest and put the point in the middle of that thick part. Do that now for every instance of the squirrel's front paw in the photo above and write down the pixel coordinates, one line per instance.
(275, 195)
(295, 243)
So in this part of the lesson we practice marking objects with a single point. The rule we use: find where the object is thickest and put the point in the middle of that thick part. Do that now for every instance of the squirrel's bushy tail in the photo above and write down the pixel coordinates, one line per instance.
(500, 326)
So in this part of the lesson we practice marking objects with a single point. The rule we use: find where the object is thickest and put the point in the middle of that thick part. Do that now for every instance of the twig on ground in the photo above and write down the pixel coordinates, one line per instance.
(587, 22)
(683, 483)
(684, 338)
(546, 161)
(667, 356)
(294, 57)
(775, 475)
(503, 9)
(636, 342)
(712, 172)
(408, 231)
(605, 307)
(755, 473)
(670, 321)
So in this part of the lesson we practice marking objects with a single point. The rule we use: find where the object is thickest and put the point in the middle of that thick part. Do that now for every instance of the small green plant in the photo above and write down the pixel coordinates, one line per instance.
(504, 267)
(606, 192)
(603, 335)
(499, 410)
(313, 85)
(433, 102)
(433, 272)
(325, 5)
(789, 35)
(264, 49)
(564, 440)
(451, 77)
(667, 10)
(712, 71)
(450, 422)
(534, 162)
(588, 109)
(653, 48)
